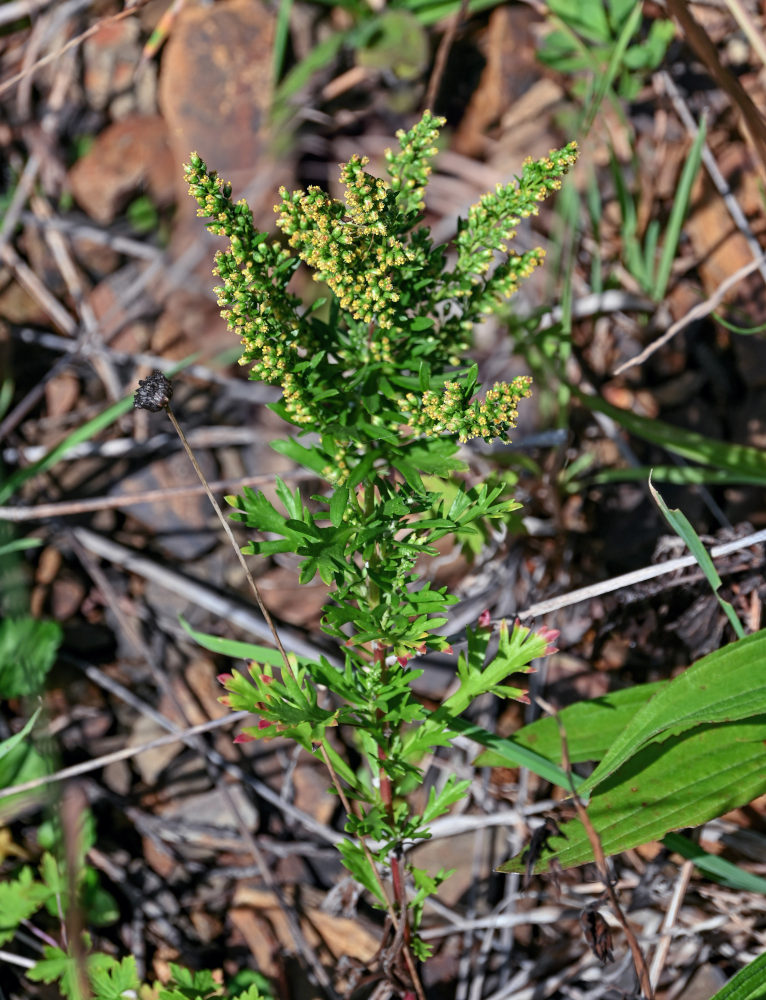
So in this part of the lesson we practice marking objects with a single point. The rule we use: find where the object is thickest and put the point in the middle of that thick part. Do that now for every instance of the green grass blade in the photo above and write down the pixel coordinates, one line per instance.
(281, 35)
(678, 213)
(718, 868)
(678, 475)
(679, 522)
(735, 458)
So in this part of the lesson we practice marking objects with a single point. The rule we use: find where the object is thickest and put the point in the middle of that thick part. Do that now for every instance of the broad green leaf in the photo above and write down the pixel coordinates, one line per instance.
(22, 763)
(748, 984)
(28, 649)
(591, 727)
(726, 685)
(690, 778)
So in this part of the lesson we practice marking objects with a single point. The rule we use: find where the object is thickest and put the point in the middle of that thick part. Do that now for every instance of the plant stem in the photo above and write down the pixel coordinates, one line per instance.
(230, 535)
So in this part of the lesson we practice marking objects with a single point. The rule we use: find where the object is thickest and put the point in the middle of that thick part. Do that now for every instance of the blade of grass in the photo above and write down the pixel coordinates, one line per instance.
(678, 212)
(679, 522)
(734, 458)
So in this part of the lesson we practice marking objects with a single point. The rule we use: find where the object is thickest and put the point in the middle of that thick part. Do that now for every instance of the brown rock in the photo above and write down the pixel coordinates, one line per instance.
(215, 84)
(130, 155)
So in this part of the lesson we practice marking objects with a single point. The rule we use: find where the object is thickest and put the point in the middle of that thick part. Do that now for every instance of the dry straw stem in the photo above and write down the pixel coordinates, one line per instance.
(639, 961)
(694, 314)
(754, 126)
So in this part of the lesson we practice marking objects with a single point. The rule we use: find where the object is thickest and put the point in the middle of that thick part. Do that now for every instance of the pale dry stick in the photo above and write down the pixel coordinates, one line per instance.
(24, 188)
(72, 43)
(67, 508)
(28, 280)
(76, 770)
(639, 962)
(251, 392)
(88, 322)
(699, 311)
(663, 945)
(17, 10)
(201, 437)
(8, 956)
(227, 609)
(753, 125)
(637, 576)
(541, 915)
(86, 231)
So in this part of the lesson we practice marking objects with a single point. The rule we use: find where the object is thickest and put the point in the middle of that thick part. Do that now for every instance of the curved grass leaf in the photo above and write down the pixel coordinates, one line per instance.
(739, 459)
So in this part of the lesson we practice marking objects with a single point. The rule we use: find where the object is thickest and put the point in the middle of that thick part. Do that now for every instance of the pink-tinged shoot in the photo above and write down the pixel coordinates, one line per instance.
(485, 619)
(244, 738)
(224, 678)
(550, 635)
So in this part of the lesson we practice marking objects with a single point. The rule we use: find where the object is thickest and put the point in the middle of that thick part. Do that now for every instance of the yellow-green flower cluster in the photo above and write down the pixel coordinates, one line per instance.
(348, 246)
(493, 220)
(253, 298)
(448, 412)
(409, 168)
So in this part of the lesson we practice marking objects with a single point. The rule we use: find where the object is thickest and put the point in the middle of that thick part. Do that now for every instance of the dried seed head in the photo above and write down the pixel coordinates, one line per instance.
(153, 393)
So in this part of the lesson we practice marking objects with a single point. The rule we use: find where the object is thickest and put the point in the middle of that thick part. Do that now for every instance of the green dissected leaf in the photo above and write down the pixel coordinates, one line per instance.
(688, 779)
(356, 863)
(59, 967)
(28, 649)
(110, 979)
(728, 684)
(20, 897)
(252, 993)
(748, 984)
(515, 651)
(186, 984)
(438, 804)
